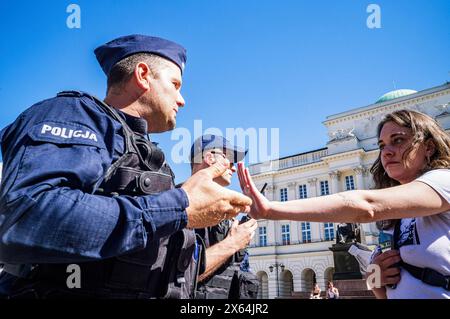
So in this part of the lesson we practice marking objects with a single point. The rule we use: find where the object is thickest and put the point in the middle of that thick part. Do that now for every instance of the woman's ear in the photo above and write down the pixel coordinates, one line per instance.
(430, 148)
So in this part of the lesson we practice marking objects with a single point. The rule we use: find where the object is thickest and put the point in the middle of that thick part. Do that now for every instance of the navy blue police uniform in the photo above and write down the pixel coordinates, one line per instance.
(81, 185)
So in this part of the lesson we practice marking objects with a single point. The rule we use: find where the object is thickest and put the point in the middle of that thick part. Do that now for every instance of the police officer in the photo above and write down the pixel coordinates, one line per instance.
(221, 274)
(82, 185)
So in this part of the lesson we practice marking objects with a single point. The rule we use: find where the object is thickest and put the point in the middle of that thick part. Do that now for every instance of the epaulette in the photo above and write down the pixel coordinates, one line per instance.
(71, 93)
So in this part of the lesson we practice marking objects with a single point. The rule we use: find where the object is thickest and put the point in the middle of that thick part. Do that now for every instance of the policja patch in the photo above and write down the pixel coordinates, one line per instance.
(65, 133)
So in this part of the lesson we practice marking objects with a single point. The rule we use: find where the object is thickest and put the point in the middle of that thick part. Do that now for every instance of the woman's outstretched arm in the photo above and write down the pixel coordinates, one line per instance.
(357, 206)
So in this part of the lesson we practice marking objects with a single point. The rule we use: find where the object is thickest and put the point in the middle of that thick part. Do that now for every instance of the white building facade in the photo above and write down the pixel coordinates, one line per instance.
(299, 251)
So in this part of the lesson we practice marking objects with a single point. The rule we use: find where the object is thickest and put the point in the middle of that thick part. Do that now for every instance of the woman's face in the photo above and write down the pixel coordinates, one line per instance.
(393, 142)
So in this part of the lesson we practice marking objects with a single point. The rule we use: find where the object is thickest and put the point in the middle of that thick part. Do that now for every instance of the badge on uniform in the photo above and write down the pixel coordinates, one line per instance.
(65, 133)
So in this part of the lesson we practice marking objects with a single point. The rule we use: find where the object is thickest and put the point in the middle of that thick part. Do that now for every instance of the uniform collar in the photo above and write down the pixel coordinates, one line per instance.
(137, 124)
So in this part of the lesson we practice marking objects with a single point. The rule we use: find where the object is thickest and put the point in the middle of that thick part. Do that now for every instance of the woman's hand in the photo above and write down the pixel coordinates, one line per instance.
(389, 273)
(260, 208)
(209, 203)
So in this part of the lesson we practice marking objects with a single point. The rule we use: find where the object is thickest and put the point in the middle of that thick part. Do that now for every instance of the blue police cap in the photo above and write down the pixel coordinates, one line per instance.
(209, 141)
(118, 49)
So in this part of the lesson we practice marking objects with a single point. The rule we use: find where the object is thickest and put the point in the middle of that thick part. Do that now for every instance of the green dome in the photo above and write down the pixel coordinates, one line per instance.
(394, 95)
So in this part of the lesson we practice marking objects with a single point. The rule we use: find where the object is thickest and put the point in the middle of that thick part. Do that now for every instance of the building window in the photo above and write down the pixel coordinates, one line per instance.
(329, 231)
(283, 195)
(302, 193)
(349, 183)
(262, 236)
(324, 189)
(285, 234)
(306, 232)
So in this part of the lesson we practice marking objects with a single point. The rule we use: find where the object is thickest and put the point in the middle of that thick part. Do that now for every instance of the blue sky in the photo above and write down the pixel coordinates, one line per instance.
(251, 64)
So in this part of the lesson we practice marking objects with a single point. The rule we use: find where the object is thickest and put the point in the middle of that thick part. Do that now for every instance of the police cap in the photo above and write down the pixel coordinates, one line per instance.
(210, 141)
(118, 49)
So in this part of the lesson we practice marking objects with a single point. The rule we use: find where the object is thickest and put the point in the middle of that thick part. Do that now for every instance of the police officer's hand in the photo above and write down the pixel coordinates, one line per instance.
(209, 203)
(260, 207)
(389, 272)
(241, 234)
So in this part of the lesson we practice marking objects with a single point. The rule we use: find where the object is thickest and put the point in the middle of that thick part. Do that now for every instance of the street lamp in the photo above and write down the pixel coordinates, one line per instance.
(276, 265)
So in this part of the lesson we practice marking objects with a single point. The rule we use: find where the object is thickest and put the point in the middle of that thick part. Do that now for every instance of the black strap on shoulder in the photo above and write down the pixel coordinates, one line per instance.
(113, 113)
(426, 275)
(127, 132)
(129, 136)
(396, 235)
(200, 265)
(131, 146)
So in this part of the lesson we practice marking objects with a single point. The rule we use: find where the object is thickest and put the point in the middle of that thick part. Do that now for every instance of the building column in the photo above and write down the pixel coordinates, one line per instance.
(295, 236)
(312, 192)
(272, 285)
(359, 171)
(368, 178)
(312, 187)
(315, 232)
(271, 233)
(335, 178)
(293, 228)
(270, 192)
(292, 194)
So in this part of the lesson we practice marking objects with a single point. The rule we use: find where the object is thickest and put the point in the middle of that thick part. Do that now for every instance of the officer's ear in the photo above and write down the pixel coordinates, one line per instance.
(142, 75)
(209, 158)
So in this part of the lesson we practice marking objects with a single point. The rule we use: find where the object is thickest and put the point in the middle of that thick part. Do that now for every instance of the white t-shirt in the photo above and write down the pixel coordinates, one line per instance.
(425, 242)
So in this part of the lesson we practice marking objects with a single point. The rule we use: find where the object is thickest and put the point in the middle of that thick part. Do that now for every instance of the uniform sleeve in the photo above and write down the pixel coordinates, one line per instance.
(48, 213)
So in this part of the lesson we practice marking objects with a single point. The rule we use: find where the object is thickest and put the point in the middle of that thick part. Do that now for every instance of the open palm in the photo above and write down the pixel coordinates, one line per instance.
(260, 207)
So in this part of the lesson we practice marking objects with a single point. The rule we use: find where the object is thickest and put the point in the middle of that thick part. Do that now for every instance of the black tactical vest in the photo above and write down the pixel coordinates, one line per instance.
(157, 271)
(142, 170)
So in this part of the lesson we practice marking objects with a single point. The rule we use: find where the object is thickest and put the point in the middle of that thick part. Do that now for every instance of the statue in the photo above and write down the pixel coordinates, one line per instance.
(345, 264)
(341, 134)
(443, 108)
(348, 233)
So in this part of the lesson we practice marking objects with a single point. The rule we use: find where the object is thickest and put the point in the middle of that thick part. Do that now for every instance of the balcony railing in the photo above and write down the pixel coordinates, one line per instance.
(289, 162)
(297, 242)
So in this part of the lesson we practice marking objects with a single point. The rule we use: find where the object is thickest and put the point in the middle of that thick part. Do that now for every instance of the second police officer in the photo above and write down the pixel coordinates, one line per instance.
(222, 274)
(82, 185)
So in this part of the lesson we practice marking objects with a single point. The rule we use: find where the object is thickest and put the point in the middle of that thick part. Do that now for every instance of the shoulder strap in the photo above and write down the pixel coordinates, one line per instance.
(128, 133)
(426, 275)
(396, 234)
(200, 265)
